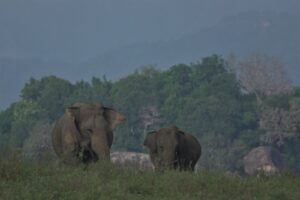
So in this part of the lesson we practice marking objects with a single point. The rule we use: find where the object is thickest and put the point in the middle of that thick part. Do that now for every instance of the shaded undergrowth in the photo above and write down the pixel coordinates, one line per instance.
(46, 179)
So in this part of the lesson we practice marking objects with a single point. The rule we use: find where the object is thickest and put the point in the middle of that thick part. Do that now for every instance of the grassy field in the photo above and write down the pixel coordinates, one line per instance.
(47, 180)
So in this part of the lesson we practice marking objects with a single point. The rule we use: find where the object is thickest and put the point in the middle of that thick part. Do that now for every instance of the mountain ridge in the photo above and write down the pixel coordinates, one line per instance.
(272, 33)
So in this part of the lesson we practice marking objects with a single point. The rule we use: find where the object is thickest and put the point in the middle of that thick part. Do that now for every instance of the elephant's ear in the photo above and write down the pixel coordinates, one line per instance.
(113, 118)
(72, 112)
(150, 141)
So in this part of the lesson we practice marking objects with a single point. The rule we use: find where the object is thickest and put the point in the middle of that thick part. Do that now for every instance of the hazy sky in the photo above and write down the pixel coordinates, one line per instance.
(75, 30)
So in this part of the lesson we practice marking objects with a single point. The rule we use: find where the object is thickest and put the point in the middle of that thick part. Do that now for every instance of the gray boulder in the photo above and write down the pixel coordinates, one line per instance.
(263, 159)
(132, 159)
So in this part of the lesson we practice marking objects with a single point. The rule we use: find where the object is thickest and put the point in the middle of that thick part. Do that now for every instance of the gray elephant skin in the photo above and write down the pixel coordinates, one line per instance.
(84, 133)
(171, 148)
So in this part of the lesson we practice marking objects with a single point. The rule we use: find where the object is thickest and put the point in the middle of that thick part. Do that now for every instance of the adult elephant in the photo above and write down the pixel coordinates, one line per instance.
(171, 148)
(84, 133)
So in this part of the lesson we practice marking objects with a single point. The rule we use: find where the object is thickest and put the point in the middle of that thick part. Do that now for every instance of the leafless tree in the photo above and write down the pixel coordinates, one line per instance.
(263, 76)
(149, 115)
(279, 123)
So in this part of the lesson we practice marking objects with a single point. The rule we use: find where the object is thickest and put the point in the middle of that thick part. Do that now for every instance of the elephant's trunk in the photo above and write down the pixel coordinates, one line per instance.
(99, 144)
(169, 161)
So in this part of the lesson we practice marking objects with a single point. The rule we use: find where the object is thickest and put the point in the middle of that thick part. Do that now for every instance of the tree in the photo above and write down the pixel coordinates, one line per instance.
(280, 124)
(6, 118)
(206, 99)
(102, 90)
(38, 143)
(16, 122)
(263, 76)
(50, 93)
(136, 96)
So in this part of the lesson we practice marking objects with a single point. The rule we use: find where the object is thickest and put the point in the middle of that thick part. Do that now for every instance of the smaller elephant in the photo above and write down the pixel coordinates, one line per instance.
(171, 148)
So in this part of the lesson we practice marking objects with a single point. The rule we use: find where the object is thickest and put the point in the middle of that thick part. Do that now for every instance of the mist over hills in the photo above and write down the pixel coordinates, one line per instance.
(77, 40)
(75, 30)
(275, 34)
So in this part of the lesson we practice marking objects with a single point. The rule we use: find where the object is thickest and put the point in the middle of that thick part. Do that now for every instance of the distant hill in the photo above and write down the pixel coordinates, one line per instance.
(272, 33)
(75, 30)
(14, 73)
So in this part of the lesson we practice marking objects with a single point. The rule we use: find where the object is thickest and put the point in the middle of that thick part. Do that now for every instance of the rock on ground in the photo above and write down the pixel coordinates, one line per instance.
(263, 159)
(132, 159)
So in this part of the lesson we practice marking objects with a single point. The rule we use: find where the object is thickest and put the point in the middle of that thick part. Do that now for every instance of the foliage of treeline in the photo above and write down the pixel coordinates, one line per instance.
(204, 98)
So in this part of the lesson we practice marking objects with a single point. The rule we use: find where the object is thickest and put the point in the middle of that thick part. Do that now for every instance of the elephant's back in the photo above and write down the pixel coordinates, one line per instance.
(194, 147)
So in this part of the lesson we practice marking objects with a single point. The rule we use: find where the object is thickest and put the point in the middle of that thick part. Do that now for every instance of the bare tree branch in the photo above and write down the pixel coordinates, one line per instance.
(263, 76)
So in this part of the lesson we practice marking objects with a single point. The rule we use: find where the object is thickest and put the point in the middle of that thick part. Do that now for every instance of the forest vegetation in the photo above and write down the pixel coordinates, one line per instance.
(229, 105)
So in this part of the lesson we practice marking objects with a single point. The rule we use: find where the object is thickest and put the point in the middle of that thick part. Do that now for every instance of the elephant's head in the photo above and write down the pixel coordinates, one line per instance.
(164, 146)
(95, 124)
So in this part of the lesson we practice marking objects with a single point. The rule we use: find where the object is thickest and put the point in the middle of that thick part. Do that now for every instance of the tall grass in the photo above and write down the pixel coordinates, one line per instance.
(21, 179)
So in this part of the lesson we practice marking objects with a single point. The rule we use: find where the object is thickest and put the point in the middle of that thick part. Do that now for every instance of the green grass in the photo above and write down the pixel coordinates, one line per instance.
(47, 180)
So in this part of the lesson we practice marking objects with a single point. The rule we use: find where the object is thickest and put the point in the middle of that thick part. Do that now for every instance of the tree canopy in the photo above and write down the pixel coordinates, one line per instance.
(206, 99)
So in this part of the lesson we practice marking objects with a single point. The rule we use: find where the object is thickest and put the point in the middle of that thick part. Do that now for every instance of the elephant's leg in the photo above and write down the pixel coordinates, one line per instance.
(70, 148)
(190, 166)
(187, 166)
(100, 146)
(193, 164)
(110, 137)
